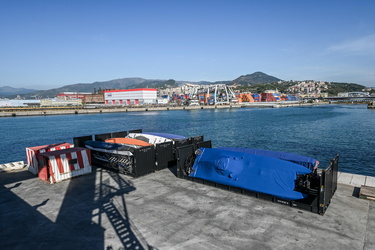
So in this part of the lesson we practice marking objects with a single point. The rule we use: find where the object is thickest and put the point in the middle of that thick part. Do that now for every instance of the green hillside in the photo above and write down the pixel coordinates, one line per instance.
(255, 78)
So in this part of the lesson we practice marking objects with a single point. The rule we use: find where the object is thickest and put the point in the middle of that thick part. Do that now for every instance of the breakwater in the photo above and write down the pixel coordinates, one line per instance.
(106, 109)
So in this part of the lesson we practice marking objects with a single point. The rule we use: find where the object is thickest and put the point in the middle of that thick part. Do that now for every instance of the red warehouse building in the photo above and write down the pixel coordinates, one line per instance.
(130, 96)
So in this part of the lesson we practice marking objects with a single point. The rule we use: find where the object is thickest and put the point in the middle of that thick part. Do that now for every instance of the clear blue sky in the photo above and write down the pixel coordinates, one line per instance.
(52, 43)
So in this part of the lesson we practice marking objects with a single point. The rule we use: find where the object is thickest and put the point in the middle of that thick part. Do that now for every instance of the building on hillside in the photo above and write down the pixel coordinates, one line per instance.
(184, 89)
(130, 96)
(60, 102)
(271, 91)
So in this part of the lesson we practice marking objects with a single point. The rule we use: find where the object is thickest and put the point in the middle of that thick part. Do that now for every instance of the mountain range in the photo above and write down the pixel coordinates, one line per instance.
(255, 82)
(7, 90)
(128, 83)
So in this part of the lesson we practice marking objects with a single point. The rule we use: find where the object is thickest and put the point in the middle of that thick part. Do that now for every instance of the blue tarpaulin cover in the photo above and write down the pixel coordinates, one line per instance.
(305, 161)
(248, 171)
(165, 135)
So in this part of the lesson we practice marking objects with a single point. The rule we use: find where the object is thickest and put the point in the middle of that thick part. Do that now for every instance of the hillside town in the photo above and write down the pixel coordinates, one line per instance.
(309, 89)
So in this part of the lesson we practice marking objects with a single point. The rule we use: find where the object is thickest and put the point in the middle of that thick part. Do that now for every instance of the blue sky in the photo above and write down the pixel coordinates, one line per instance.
(52, 43)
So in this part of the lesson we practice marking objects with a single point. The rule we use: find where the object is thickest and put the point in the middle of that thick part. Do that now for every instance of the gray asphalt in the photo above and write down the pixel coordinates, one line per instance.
(105, 210)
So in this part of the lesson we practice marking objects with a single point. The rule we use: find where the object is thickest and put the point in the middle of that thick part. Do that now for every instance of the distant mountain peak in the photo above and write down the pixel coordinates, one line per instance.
(255, 78)
(7, 90)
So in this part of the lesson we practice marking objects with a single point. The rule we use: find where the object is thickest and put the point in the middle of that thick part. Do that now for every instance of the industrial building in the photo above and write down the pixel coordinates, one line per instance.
(56, 102)
(87, 98)
(19, 103)
(130, 96)
(72, 95)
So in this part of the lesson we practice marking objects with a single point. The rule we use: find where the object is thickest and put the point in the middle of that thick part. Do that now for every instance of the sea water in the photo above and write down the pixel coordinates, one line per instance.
(320, 132)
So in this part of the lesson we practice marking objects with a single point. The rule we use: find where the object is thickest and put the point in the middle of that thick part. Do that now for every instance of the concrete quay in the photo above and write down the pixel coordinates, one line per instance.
(355, 180)
(109, 110)
(105, 210)
(45, 112)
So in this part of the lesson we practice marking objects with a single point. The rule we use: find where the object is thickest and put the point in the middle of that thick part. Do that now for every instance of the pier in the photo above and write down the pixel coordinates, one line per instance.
(105, 210)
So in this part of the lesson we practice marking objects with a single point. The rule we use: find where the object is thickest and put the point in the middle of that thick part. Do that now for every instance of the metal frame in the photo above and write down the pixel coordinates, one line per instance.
(195, 90)
(164, 155)
(103, 137)
(143, 161)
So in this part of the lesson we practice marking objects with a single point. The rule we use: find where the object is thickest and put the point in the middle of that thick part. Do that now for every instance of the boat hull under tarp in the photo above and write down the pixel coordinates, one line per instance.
(166, 135)
(112, 148)
(249, 171)
(116, 156)
(128, 141)
(305, 161)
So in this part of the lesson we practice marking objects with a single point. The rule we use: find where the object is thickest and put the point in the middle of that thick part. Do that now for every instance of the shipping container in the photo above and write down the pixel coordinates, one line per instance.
(245, 97)
(292, 98)
(267, 97)
(277, 97)
(256, 97)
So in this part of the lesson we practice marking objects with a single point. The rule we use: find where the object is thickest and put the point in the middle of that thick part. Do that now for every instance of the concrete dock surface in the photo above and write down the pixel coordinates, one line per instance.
(106, 210)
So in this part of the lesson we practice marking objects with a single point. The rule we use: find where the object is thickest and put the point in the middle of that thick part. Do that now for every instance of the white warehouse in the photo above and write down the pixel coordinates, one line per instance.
(130, 96)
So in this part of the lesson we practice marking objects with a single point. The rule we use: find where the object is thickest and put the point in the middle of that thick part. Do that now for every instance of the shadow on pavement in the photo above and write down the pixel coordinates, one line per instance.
(92, 207)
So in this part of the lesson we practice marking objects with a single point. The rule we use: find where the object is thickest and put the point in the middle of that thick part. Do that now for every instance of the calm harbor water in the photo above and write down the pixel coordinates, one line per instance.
(317, 131)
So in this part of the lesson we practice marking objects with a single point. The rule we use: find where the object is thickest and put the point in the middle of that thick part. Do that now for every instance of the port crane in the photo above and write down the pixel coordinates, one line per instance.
(213, 93)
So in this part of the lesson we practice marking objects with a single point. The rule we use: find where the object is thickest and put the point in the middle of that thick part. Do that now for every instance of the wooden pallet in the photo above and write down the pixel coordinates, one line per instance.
(367, 193)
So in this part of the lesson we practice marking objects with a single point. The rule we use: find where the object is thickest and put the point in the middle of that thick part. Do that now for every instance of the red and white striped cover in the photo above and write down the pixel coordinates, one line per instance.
(33, 152)
(55, 166)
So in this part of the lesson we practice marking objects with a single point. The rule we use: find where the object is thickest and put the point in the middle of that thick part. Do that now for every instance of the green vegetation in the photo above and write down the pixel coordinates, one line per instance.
(255, 78)
(336, 87)
(333, 87)
(157, 84)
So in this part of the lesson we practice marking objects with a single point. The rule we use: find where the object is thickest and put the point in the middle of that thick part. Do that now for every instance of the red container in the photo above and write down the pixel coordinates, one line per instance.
(267, 97)
(56, 166)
